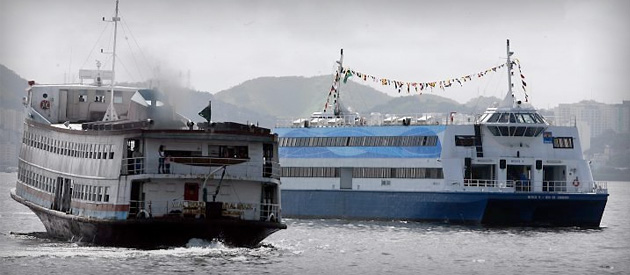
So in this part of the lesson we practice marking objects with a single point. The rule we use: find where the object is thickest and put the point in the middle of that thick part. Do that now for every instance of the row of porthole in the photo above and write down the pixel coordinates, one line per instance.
(49, 185)
(68, 148)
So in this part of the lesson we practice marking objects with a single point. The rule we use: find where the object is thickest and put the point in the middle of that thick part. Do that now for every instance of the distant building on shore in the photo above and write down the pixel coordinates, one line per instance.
(599, 117)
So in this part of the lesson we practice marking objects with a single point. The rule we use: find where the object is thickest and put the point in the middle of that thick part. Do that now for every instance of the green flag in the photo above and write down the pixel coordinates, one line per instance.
(348, 75)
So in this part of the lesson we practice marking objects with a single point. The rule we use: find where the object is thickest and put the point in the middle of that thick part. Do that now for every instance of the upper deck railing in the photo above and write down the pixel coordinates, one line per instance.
(235, 167)
(378, 119)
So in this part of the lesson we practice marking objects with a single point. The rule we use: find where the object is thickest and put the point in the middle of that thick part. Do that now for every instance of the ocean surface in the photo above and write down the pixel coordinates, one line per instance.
(336, 247)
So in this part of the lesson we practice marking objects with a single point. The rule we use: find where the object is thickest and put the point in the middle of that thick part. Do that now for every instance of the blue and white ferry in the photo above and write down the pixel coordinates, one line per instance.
(508, 166)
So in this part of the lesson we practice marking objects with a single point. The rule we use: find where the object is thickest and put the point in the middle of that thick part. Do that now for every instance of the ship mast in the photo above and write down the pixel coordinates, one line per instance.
(111, 115)
(337, 84)
(509, 68)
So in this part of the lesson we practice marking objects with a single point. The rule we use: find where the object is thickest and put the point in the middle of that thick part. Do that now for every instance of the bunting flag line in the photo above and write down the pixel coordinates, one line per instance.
(423, 86)
(333, 93)
(523, 83)
(418, 87)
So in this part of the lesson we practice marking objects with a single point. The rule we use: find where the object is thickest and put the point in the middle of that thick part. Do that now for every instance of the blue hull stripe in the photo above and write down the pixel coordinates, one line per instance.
(464, 207)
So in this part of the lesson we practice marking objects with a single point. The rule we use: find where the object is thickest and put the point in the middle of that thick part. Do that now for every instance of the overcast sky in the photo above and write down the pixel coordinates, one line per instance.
(569, 50)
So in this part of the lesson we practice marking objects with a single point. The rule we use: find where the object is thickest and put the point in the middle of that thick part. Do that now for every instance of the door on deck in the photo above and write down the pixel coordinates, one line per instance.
(67, 195)
(63, 105)
(345, 180)
(520, 177)
(136, 201)
(191, 191)
(58, 194)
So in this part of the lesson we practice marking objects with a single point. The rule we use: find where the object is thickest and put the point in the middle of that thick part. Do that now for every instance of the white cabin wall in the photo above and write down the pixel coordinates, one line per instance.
(37, 96)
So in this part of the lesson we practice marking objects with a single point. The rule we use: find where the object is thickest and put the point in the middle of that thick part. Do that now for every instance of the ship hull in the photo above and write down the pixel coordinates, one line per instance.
(151, 232)
(487, 208)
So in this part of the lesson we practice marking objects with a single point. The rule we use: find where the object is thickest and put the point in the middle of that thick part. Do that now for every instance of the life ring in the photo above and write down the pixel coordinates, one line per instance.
(576, 183)
(271, 218)
(142, 214)
(44, 104)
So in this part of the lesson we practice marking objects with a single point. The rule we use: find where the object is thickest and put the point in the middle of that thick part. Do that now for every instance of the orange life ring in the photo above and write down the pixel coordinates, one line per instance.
(44, 104)
(576, 183)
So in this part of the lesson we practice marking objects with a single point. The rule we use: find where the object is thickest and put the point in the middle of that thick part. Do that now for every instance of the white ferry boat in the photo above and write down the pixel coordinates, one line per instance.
(118, 166)
(508, 166)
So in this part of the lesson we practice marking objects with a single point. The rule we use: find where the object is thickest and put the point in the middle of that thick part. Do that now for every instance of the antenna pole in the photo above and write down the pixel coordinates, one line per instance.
(111, 111)
(509, 68)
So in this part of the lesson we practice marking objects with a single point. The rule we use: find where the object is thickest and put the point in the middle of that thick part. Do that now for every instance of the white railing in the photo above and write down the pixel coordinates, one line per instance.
(377, 119)
(197, 209)
(199, 165)
(546, 186)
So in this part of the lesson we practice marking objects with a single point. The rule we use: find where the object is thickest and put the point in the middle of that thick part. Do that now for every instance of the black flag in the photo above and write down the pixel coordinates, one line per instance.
(207, 112)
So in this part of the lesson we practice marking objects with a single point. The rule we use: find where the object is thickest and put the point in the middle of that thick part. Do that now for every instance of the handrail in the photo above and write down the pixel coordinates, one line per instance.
(237, 167)
(376, 119)
(197, 209)
(561, 186)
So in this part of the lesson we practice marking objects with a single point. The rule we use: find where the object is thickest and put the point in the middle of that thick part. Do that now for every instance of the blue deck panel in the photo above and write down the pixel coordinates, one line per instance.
(361, 151)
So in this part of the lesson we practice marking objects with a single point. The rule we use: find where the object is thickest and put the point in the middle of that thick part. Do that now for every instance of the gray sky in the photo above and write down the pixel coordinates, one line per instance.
(569, 50)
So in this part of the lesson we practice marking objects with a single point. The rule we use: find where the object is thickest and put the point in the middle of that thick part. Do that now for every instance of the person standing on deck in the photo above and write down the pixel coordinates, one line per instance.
(167, 164)
(161, 159)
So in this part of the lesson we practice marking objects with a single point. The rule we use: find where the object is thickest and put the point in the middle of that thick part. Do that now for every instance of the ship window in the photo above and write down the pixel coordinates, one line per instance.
(83, 97)
(106, 196)
(378, 141)
(118, 98)
(512, 118)
(520, 131)
(464, 140)
(100, 96)
(494, 130)
(529, 118)
(539, 130)
(100, 193)
(504, 131)
(539, 118)
(512, 130)
(504, 118)
(531, 131)
(494, 117)
(563, 142)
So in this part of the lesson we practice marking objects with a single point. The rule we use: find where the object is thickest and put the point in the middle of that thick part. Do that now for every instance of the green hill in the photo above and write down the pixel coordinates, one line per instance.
(293, 96)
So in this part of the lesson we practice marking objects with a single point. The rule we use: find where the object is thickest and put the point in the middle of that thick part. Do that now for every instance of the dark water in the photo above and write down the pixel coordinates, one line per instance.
(337, 247)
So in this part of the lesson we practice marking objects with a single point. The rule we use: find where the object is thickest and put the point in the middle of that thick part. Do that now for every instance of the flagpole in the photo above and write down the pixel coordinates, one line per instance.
(111, 111)
(509, 68)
